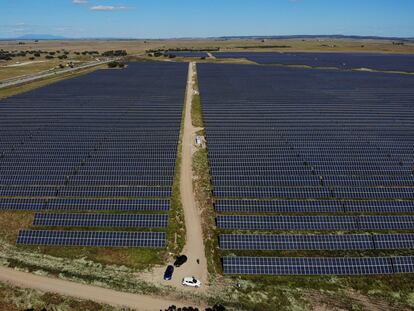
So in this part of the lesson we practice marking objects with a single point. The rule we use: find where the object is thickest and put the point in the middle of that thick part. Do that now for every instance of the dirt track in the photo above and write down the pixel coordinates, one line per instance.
(72, 289)
(194, 247)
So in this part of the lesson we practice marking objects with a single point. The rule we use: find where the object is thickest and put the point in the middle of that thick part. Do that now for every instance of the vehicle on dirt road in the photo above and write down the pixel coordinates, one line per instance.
(168, 273)
(191, 281)
(180, 260)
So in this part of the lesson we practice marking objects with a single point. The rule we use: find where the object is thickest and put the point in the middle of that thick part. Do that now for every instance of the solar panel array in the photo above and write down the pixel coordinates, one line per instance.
(316, 242)
(101, 220)
(386, 62)
(120, 205)
(301, 151)
(106, 141)
(92, 238)
(318, 266)
(338, 223)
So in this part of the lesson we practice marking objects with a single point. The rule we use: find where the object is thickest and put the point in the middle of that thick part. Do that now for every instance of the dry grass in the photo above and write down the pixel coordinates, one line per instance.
(17, 299)
(140, 46)
(17, 71)
(12, 222)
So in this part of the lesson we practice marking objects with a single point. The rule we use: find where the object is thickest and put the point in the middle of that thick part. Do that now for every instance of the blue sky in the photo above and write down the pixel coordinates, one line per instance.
(203, 18)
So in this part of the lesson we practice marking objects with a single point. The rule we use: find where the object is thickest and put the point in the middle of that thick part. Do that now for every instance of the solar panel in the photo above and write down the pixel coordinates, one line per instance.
(307, 266)
(101, 220)
(374, 61)
(278, 206)
(92, 238)
(108, 204)
(386, 222)
(295, 242)
(403, 264)
(287, 222)
(394, 241)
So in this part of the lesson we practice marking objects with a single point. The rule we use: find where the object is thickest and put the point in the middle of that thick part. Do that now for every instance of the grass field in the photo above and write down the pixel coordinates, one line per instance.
(140, 46)
(17, 299)
(16, 71)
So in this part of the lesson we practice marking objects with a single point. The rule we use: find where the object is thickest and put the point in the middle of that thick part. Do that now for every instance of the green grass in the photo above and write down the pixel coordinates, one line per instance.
(204, 197)
(196, 113)
(176, 229)
(137, 258)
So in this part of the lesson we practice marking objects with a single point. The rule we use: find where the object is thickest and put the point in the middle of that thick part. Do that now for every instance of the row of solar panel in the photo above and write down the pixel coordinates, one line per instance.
(92, 238)
(315, 206)
(318, 266)
(316, 242)
(101, 220)
(87, 180)
(315, 192)
(87, 191)
(395, 62)
(85, 204)
(314, 181)
(349, 223)
(360, 171)
(24, 171)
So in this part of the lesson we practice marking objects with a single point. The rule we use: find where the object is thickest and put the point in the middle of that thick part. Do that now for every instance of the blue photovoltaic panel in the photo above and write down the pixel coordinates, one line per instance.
(102, 220)
(77, 139)
(379, 206)
(287, 222)
(92, 238)
(278, 206)
(108, 205)
(295, 242)
(403, 264)
(376, 61)
(394, 241)
(22, 204)
(386, 222)
(307, 266)
(316, 222)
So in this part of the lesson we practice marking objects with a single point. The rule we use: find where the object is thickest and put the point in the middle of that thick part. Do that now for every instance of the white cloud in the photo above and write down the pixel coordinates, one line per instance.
(108, 8)
(79, 1)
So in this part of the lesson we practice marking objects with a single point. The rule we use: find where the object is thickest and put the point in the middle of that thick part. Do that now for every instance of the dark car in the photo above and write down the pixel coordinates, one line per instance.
(168, 273)
(180, 260)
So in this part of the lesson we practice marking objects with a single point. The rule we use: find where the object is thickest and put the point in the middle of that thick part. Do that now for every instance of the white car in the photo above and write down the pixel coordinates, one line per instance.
(191, 281)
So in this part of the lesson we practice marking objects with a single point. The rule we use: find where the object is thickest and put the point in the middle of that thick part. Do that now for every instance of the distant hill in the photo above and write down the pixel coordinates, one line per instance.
(319, 37)
(39, 37)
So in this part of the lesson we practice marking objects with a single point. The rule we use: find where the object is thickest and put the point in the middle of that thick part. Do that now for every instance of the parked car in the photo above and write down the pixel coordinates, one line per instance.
(191, 281)
(180, 260)
(168, 273)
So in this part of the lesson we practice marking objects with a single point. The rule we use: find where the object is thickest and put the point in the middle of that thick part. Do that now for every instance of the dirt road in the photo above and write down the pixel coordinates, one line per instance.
(194, 247)
(87, 292)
